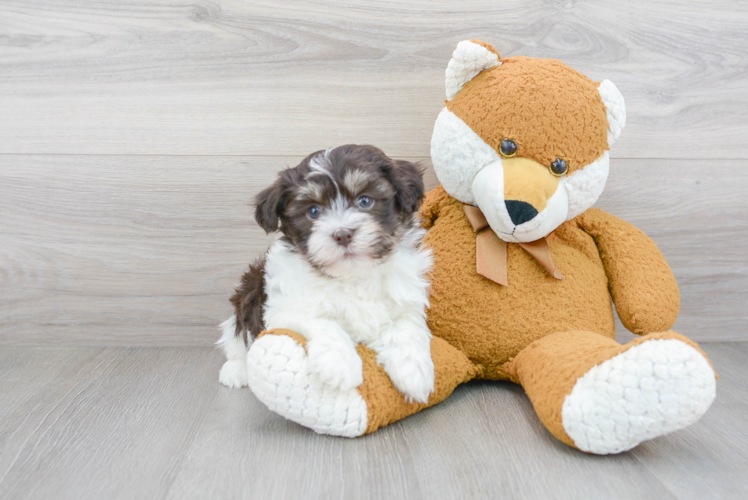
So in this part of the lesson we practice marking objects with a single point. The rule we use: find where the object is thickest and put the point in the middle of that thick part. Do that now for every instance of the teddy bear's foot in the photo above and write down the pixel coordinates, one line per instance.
(603, 397)
(278, 374)
(649, 390)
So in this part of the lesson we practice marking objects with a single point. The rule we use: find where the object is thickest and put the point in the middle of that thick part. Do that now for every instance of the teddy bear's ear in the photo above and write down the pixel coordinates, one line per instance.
(615, 108)
(469, 58)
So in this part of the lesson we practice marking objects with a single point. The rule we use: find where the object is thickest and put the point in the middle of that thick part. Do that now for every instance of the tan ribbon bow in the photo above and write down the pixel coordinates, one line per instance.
(490, 250)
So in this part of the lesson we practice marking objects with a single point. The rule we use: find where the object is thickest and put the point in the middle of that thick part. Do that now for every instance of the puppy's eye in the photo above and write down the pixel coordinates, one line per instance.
(313, 212)
(559, 167)
(365, 202)
(508, 148)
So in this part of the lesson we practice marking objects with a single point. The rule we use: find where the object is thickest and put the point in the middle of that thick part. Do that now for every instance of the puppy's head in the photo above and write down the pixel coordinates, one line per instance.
(344, 209)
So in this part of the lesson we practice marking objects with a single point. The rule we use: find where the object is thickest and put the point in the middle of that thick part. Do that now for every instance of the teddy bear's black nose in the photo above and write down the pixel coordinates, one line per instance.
(519, 211)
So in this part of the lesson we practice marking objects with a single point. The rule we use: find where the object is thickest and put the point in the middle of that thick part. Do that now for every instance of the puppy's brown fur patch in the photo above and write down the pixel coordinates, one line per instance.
(249, 301)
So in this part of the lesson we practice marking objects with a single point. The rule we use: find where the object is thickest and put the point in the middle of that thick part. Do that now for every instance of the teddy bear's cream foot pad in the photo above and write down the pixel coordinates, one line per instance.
(651, 389)
(277, 369)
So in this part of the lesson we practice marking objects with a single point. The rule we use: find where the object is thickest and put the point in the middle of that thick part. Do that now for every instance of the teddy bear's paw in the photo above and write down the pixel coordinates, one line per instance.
(278, 374)
(649, 390)
(234, 373)
(337, 365)
(412, 373)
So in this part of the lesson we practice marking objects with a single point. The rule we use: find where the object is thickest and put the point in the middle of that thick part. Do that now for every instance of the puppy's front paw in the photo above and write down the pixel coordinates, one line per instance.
(233, 374)
(411, 372)
(337, 365)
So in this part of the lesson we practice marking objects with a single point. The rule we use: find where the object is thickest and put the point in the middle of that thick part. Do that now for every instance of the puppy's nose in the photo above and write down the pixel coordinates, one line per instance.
(520, 211)
(343, 236)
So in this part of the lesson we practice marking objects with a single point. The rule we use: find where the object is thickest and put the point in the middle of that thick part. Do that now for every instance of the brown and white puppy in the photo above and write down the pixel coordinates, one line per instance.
(348, 269)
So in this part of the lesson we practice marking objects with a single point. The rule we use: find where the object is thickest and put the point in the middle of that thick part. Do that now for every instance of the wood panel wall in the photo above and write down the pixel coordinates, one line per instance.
(133, 135)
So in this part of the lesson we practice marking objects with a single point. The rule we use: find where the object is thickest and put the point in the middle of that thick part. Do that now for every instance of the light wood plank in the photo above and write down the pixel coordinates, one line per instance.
(103, 250)
(232, 77)
(245, 451)
(29, 386)
(99, 423)
(124, 250)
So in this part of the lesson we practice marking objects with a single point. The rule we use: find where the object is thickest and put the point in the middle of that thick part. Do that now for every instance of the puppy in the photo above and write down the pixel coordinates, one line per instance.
(348, 269)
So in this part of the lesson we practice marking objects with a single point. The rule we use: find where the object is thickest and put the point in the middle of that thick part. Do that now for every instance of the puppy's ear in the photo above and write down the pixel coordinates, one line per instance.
(407, 179)
(269, 205)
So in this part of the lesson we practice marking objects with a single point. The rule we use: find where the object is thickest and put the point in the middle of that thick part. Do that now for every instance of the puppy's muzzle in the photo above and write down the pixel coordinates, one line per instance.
(343, 236)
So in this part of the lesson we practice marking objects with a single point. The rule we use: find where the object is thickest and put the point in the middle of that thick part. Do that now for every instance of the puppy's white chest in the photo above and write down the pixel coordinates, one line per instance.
(363, 311)
(364, 306)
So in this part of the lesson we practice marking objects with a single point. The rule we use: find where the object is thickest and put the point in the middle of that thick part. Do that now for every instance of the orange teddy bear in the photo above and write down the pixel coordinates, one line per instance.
(524, 273)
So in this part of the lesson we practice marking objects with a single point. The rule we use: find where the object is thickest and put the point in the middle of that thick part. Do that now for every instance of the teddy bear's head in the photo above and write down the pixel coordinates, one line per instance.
(525, 140)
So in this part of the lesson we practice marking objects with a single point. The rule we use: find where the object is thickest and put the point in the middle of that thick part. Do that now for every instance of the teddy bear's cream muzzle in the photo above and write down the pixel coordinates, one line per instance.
(520, 199)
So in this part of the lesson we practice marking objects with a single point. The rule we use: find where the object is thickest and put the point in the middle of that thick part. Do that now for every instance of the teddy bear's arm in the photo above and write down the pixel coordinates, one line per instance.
(642, 284)
(431, 206)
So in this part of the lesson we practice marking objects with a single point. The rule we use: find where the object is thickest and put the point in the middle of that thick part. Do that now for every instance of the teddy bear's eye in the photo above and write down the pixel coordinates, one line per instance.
(559, 167)
(508, 148)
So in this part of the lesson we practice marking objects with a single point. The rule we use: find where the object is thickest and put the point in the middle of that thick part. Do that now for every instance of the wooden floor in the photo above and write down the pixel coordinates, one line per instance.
(151, 423)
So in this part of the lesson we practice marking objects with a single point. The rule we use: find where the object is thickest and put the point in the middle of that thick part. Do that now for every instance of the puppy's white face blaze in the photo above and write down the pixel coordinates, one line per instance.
(359, 255)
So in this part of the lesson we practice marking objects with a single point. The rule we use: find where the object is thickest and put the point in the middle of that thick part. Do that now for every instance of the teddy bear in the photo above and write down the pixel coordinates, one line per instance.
(525, 273)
